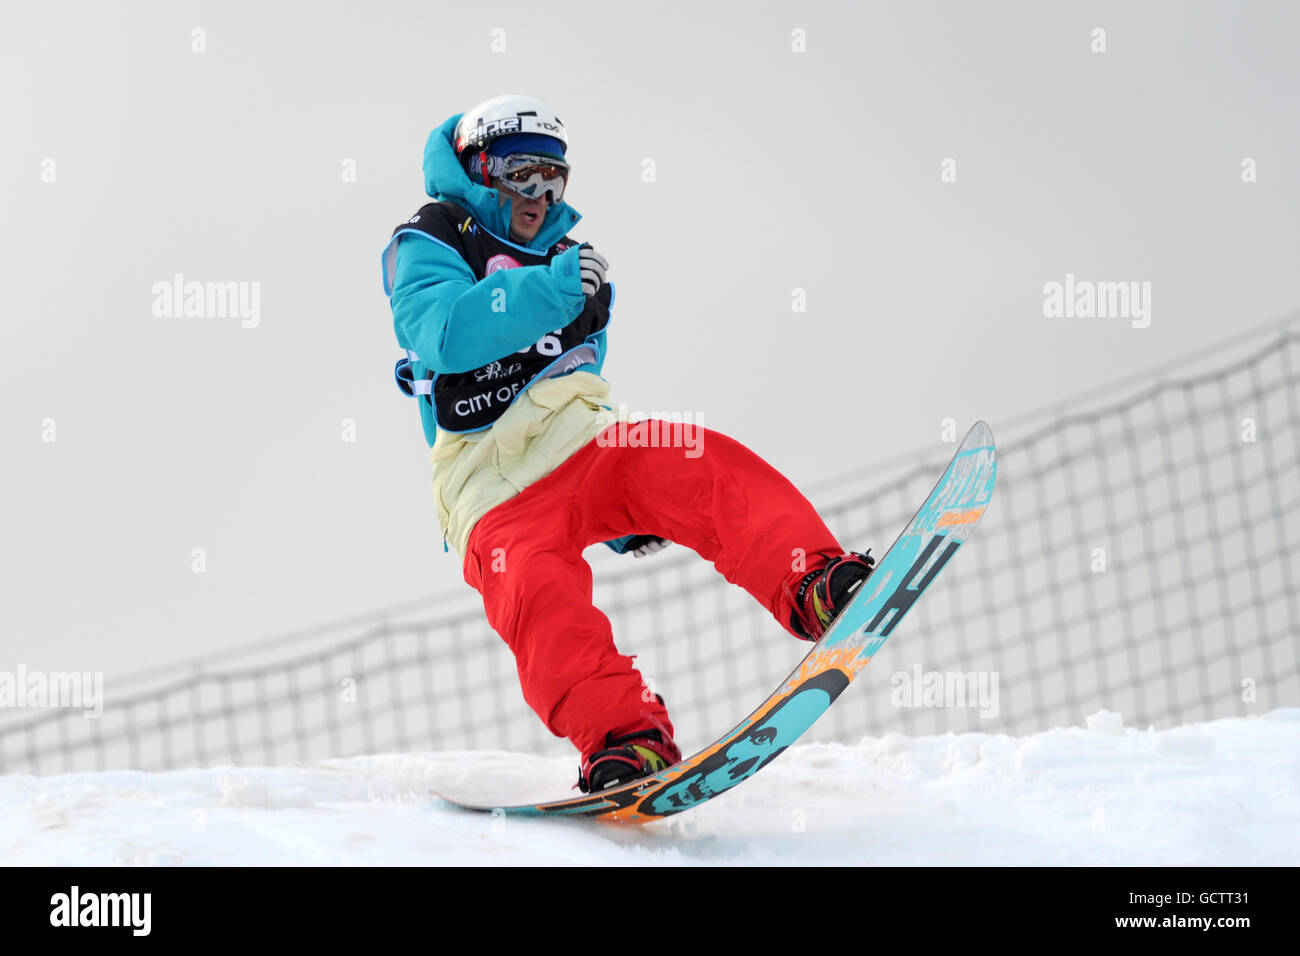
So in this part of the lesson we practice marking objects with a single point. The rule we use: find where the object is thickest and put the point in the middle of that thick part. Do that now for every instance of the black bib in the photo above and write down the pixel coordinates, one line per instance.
(471, 401)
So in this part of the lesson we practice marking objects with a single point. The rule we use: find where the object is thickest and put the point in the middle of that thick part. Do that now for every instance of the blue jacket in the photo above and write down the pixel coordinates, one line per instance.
(439, 307)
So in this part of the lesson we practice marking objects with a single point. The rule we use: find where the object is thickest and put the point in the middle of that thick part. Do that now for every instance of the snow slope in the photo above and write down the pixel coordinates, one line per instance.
(1225, 792)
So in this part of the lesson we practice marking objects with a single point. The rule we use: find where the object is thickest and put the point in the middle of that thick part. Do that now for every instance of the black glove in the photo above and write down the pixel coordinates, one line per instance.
(644, 544)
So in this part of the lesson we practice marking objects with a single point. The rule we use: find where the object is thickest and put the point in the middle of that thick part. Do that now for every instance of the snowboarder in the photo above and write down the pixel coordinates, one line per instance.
(503, 320)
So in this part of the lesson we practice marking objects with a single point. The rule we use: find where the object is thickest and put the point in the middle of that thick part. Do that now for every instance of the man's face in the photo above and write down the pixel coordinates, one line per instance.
(526, 214)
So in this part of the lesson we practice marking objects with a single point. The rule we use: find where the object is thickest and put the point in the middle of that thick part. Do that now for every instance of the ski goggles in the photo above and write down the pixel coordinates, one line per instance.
(530, 175)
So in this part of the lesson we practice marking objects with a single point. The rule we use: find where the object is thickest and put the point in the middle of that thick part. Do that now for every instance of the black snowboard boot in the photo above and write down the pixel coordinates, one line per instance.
(823, 593)
(626, 758)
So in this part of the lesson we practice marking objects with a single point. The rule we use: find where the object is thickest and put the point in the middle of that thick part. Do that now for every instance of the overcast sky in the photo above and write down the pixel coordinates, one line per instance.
(921, 171)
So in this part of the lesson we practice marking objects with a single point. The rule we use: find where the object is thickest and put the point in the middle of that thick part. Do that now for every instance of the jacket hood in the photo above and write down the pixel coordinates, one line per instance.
(445, 179)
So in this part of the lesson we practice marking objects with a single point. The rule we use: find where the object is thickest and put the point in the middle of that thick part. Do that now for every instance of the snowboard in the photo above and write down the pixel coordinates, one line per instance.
(946, 519)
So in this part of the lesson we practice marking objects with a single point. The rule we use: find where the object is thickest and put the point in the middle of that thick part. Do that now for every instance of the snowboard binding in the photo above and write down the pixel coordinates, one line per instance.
(823, 593)
(638, 754)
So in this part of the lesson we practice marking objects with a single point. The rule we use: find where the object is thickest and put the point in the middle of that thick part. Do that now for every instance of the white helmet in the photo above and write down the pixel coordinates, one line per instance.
(505, 116)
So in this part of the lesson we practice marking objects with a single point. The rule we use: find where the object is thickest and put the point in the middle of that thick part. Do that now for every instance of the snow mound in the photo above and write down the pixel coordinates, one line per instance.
(1225, 792)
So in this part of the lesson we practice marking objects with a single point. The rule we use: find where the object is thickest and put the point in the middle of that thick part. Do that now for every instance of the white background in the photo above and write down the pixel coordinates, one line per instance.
(774, 170)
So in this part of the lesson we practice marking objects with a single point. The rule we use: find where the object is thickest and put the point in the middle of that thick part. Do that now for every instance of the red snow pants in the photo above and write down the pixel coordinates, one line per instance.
(525, 558)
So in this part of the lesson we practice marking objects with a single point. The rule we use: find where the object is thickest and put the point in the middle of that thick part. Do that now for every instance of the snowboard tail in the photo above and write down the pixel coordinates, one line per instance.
(941, 525)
